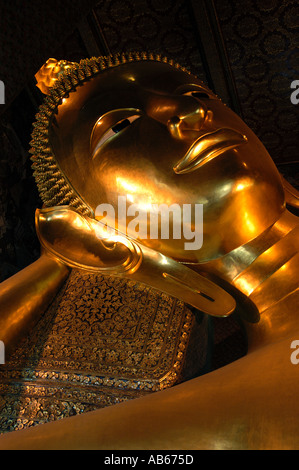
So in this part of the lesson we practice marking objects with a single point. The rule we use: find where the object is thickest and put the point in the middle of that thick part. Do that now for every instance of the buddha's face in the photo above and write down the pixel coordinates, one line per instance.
(156, 135)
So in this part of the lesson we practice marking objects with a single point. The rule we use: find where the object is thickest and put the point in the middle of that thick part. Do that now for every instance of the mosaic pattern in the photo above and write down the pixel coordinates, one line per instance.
(165, 28)
(263, 47)
(103, 340)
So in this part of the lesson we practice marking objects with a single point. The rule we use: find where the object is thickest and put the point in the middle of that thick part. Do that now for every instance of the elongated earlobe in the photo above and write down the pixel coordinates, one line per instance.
(74, 240)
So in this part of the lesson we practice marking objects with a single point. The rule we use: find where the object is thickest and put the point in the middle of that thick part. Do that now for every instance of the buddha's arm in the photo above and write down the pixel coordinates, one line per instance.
(26, 295)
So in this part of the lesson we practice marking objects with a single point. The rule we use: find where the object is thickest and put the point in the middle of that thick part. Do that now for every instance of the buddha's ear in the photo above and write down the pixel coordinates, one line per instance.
(291, 193)
(84, 243)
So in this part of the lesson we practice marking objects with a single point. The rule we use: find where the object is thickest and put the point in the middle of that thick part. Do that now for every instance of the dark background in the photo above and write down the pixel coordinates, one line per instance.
(246, 51)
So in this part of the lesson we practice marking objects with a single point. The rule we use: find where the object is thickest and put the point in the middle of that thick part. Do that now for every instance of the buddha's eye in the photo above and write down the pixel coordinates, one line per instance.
(200, 95)
(114, 129)
(118, 127)
(121, 125)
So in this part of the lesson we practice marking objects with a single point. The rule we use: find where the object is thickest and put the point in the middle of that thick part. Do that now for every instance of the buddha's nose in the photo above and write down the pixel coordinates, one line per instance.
(181, 114)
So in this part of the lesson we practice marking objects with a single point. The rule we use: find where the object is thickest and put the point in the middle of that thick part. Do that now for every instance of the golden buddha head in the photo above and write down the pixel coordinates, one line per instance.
(142, 127)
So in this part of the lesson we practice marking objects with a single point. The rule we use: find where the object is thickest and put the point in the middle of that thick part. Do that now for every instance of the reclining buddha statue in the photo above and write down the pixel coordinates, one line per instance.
(107, 334)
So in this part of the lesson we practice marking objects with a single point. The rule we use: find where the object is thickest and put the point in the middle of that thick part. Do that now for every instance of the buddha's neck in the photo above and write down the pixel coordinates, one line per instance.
(266, 271)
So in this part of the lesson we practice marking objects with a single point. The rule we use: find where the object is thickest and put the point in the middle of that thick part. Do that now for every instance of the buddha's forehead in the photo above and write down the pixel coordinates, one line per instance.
(126, 85)
(153, 75)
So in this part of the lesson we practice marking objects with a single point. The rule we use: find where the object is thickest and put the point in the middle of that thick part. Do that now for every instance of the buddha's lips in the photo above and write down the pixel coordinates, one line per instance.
(207, 147)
